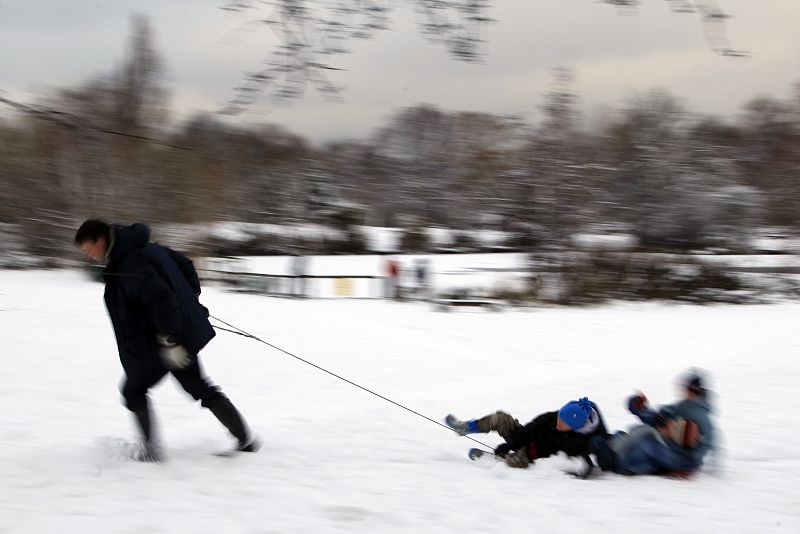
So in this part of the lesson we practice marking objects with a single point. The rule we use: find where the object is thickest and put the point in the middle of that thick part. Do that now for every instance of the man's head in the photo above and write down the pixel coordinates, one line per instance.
(93, 238)
(573, 415)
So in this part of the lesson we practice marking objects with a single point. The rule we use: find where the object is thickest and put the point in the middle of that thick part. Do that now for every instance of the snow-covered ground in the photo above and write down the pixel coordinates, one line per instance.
(337, 459)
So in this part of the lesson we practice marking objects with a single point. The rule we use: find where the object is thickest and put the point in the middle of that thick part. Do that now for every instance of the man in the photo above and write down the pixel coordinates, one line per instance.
(160, 326)
(568, 430)
(673, 440)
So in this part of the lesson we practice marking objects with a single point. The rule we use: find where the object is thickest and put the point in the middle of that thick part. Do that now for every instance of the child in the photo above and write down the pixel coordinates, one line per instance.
(568, 430)
(672, 440)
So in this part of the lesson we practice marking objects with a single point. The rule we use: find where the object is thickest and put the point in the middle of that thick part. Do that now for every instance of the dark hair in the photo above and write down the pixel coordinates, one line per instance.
(92, 230)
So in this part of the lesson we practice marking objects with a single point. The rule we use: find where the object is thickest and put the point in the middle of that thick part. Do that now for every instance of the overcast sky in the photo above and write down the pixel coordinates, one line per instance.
(56, 43)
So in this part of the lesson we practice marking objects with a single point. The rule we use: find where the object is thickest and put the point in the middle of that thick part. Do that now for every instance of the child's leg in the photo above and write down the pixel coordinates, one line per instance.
(500, 422)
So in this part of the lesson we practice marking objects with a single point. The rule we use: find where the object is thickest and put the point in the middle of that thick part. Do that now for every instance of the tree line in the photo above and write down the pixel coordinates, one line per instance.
(671, 177)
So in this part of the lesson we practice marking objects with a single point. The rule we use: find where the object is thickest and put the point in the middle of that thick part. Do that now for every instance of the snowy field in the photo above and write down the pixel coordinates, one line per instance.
(338, 460)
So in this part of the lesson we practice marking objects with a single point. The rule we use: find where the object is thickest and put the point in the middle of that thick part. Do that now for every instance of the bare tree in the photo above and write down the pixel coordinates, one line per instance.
(312, 33)
(770, 155)
(712, 17)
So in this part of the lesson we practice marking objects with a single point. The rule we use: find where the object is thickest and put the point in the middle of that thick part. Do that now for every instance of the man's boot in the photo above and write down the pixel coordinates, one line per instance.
(224, 410)
(149, 450)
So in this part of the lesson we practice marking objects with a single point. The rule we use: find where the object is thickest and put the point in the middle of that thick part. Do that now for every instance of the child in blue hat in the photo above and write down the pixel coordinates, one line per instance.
(567, 430)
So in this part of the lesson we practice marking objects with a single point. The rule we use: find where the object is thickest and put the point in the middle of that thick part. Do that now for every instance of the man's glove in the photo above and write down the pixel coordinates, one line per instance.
(173, 354)
(637, 403)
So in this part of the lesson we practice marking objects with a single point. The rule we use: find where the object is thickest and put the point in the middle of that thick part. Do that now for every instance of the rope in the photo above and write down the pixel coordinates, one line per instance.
(238, 331)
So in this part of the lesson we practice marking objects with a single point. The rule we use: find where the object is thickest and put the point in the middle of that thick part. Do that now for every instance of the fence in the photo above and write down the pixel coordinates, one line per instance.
(284, 285)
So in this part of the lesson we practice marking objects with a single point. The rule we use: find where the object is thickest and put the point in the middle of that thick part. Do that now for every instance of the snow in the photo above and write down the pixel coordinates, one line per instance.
(378, 239)
(604, 241)
(382, 239)
(338, 459)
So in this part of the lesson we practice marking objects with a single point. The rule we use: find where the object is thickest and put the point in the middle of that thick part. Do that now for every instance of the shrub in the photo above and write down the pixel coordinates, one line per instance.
(589, 279)
(414, 240)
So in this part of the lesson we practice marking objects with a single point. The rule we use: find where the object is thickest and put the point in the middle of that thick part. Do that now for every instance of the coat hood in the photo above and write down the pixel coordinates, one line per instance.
(126, 238)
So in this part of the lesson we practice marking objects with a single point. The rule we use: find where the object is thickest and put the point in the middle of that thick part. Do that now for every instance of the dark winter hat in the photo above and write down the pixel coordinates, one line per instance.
(576, 413)
(695, 383)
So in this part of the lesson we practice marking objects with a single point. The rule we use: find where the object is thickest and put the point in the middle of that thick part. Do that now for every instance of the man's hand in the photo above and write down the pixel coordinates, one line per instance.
(173, 355)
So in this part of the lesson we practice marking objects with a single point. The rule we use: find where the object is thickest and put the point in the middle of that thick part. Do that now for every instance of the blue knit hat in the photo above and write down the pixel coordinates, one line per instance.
(576, 413)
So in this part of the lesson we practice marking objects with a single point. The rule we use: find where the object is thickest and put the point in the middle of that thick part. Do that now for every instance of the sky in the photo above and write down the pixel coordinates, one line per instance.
(615, 55)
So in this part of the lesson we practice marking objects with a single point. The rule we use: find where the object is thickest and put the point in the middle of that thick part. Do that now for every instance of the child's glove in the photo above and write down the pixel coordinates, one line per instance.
(518, 459)
(502, 450)
(662, 419)
(637, 403)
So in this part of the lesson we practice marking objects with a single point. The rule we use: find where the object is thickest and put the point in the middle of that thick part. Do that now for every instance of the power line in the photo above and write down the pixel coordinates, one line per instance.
(73, 122)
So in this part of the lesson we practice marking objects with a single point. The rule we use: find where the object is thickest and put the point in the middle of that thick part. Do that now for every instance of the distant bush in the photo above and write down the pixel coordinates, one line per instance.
(254, 245)
(352, 241)
(415, 240)
(516, 297)
(594, 278)
(524, 236)
(463, 242)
